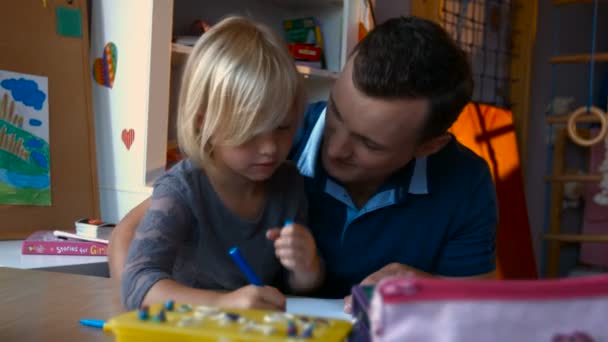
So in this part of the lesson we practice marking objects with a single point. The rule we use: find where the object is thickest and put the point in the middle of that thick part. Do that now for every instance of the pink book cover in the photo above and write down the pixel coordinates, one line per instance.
(44, 242)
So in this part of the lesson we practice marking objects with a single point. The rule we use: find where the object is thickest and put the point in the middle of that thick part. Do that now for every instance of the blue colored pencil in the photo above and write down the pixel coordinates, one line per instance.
(95, 323)
(236, 255)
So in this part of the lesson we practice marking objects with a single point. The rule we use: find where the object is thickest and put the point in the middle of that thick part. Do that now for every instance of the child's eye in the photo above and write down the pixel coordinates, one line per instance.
(284, 127)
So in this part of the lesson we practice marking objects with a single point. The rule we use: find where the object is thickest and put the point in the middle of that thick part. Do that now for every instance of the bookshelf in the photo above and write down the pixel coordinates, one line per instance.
(180, 53)
(150, 64)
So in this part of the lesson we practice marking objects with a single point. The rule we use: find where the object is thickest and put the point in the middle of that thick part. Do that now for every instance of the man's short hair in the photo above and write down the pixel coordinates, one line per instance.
(411, 58)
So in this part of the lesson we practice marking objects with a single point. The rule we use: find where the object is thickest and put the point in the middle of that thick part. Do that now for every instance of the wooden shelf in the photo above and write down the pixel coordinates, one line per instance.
(563, 119)
(568, 2)
(574, 178)
(307, 3)
(181, 49)
(180, 52)
(580, 58)
(309, 72)
(576, 238)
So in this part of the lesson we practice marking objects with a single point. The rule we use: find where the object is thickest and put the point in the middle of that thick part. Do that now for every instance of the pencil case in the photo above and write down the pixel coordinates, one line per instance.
(361, 299)
(432, 309)
(183, 323)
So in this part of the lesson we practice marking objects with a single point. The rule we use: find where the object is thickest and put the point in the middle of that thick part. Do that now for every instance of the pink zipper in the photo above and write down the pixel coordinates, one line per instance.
(397, 290)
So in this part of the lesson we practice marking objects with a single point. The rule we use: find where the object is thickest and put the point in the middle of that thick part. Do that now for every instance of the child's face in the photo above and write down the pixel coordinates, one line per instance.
(258, 158)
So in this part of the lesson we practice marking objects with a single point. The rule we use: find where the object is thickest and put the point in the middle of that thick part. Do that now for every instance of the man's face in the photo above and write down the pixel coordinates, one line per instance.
(368, 139)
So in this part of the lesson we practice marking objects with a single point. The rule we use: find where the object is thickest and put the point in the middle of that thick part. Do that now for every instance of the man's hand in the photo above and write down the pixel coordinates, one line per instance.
(390, 270)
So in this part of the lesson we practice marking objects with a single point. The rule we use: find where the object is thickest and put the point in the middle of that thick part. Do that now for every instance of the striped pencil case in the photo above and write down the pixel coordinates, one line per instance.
(432, 309)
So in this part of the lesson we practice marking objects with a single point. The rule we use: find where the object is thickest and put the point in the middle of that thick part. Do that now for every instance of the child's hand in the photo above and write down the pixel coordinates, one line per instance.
(295, 247)
(253, 297)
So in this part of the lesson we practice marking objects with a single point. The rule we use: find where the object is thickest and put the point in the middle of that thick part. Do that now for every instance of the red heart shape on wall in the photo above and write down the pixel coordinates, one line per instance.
(128, 136)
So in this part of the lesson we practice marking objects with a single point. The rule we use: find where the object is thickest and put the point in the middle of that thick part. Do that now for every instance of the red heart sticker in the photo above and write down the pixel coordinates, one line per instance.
(128, 136)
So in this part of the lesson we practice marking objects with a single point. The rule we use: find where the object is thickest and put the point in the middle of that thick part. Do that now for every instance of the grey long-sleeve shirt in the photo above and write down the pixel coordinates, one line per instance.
(186, 233)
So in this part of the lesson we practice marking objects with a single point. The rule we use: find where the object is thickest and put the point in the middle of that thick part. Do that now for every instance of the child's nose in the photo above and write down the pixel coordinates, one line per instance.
(268, 145)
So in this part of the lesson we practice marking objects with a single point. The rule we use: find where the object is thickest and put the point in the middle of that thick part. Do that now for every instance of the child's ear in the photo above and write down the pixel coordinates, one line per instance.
(432, 146)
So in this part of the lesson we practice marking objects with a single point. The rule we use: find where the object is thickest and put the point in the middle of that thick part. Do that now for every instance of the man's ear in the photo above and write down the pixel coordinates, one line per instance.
(432, 146)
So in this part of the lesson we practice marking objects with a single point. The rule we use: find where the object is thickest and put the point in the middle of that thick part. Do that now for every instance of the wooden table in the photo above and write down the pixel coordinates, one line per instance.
(46, 306)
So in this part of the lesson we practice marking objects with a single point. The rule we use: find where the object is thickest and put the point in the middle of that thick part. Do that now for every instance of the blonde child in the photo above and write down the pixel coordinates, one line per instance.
(240, 104)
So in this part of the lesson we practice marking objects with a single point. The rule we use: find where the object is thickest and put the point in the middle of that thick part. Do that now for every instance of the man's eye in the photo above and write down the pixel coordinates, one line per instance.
(371, 145)
(284, 127)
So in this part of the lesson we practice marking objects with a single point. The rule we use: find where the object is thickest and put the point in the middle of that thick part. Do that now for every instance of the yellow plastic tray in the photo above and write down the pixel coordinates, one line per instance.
(202, 323)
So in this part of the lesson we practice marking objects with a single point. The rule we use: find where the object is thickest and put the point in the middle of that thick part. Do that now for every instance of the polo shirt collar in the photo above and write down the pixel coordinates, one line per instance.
(308, 159)
(307, 165)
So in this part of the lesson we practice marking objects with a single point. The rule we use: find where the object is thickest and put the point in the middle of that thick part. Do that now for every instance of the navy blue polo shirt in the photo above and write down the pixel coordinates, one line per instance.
(437, 214)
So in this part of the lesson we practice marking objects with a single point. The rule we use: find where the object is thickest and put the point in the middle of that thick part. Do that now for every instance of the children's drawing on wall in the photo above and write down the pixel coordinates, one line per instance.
(25, 177)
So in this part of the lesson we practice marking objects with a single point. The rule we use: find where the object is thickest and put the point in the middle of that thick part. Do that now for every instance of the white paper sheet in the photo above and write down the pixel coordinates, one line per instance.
(328, 308)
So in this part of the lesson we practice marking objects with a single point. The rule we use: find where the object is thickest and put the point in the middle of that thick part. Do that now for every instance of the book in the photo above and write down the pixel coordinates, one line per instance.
(67, 235)
(93, 228)
(304, 40)
(45, 242)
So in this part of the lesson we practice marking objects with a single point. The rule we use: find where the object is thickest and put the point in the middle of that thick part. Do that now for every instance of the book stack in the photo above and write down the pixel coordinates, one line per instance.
(90, 238)
(48, 242)
(93, 228)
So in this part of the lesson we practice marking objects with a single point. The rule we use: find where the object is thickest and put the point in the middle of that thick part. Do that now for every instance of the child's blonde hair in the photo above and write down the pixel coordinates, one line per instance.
(239, 81)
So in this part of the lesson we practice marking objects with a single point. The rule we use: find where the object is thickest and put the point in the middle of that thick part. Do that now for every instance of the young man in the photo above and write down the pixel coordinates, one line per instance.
(390, 191)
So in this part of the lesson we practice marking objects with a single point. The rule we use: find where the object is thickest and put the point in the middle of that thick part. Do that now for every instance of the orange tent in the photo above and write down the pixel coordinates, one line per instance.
(490, 133)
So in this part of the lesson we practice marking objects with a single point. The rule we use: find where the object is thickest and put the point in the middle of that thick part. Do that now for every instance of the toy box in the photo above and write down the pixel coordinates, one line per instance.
(181, 323)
